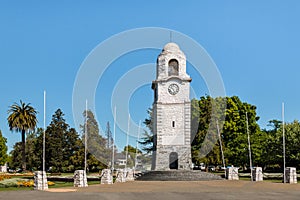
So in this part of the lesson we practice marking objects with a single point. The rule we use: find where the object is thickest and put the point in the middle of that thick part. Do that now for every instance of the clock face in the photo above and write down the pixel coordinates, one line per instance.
(173, 89)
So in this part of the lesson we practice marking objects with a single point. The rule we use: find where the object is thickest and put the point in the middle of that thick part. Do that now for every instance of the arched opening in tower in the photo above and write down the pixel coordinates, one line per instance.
(173, 160)
(173, 67)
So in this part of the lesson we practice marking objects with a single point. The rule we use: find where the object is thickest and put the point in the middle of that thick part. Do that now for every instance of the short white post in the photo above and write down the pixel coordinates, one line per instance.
(291, 175)
(106, 176)
(232, 173)
(80, 179)
(257, 174)
(40, 180)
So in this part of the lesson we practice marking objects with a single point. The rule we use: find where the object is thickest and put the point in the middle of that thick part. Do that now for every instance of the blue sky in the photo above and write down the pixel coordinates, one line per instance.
(255, 45)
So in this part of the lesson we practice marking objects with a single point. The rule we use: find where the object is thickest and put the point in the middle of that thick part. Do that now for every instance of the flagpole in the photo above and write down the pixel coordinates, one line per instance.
(44, 140)
(127, 141)
(85, 138)
(283, 143)
(220, 140)
(137, 142)
(249, 147)
(114, 137)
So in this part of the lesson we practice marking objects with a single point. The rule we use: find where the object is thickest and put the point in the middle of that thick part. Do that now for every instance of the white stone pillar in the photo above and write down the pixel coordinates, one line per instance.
(232, 173)
(121, 176)
(291, 175)
(3, 168)
(130, 175)
(40, 180)
(80, 179)
(257, 174)
(106, 176)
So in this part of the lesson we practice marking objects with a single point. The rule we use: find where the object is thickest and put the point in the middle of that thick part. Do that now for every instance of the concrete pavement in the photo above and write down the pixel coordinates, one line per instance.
(167, 190)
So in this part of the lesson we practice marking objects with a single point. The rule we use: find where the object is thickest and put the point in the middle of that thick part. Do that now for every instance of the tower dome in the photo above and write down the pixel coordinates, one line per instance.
(171, 47)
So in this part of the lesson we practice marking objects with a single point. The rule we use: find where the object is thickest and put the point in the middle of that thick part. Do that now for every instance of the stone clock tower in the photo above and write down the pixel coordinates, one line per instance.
(171, 111)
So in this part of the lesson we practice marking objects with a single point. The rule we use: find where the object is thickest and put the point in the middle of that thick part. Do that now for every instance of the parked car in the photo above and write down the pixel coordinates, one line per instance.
(221, 168)
(211, 168)
(199, 167)
(202, 166)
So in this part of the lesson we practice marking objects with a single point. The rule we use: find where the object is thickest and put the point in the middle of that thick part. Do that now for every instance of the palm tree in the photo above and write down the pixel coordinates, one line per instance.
(22, 118)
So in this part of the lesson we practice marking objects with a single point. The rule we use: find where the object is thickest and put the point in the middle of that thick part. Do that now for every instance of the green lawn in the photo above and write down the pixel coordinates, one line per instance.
(59, 184)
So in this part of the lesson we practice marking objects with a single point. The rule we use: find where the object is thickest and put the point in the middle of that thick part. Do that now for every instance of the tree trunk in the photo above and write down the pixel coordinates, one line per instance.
(23, 151)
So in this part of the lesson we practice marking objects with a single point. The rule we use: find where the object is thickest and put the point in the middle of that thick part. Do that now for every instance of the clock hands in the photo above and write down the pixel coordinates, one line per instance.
(173, 89)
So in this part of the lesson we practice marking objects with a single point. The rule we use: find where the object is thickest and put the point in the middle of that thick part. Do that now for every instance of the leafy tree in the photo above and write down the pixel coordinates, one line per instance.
(272, 148)
(131, 154)
(275, 124)
(15, 157)
(205, 114)
(34, 150)
(233, 133)
(147, 140)
(131, 149)
(99, 155)
(292, 141)
(77, 158)
(71, 146)
(149, 121)
(3, 149)
(109, 137)
(94, 165)
(55, 133)
(22, 118)
(62, 144)
(64, 148)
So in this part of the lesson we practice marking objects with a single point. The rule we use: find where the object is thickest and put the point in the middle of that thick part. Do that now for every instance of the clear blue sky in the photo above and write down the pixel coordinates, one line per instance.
(255, 45)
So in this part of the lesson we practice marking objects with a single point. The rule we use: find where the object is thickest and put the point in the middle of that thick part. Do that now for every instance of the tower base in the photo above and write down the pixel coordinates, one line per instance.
(178, 175)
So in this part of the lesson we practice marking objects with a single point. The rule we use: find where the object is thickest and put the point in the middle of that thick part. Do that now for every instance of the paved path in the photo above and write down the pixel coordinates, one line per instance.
(166, 190)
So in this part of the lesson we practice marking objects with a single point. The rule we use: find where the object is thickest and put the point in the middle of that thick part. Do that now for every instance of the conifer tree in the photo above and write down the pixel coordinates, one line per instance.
(3, 149)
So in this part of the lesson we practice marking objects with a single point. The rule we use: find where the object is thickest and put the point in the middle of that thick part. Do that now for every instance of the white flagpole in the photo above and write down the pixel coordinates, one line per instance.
(137, 143)
(249, 147)
(220, 140)
(85, 138)
(283, 143)
(127, 141)
(44, 140)
(114, 137)
(44, 131)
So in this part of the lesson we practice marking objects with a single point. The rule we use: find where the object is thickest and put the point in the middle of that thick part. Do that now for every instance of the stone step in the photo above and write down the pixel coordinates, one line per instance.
(178, 175)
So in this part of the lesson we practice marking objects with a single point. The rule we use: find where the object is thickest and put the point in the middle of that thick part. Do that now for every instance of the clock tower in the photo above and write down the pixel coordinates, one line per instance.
(171, 111)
